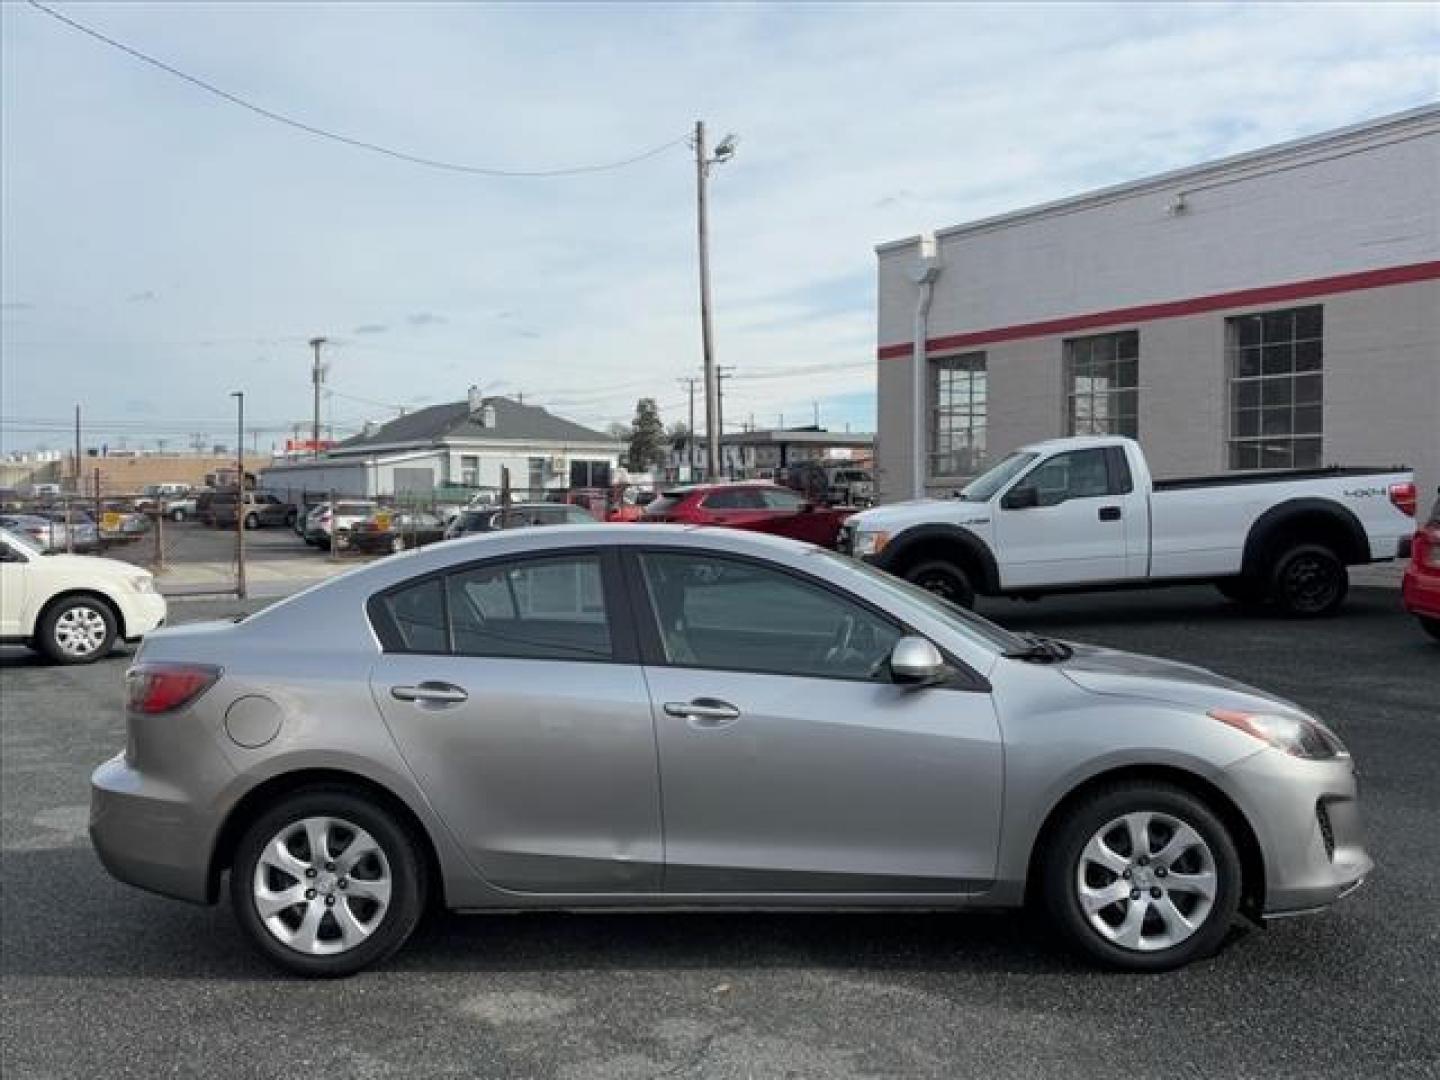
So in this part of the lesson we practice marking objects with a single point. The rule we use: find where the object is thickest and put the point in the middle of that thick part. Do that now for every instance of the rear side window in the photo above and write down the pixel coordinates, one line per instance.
(735, 499)
(779, 499)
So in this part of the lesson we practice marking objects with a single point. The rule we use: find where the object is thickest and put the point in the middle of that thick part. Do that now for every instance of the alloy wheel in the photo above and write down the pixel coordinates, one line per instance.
(322, 886)
(80, 630)
(1146, 881)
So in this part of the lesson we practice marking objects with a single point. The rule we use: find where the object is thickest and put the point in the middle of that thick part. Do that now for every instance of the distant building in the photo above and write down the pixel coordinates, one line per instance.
(460, 446)
(757, 454)
(1278, 308)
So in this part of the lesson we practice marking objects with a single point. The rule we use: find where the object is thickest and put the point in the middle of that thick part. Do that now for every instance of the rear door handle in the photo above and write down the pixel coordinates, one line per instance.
(1109, 513)
(706, 712)
(437, 693)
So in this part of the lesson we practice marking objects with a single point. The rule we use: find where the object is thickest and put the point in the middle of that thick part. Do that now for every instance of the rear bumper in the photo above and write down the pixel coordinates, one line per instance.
(1421, 592)
(147, 833)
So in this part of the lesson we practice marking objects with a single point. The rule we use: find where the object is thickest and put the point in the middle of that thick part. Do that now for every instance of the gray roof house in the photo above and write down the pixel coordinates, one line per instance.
(457, 446)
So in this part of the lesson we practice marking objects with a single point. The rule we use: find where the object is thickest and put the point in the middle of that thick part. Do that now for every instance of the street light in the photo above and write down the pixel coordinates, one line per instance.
(724, 152)
(239, 396)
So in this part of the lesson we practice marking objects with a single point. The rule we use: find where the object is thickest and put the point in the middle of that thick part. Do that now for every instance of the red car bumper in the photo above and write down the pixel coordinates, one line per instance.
(1421, 590)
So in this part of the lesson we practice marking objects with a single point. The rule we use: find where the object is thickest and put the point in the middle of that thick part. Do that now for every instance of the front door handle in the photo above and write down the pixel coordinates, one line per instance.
(1109, 513)
(708, 712)
(436, 693)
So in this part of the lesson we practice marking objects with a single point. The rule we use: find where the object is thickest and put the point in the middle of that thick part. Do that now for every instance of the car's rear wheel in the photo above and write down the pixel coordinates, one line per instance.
(327, 883)
(1430, 626)
(944, 579)
(1142, 876)
(78, 630)
(1309, 581)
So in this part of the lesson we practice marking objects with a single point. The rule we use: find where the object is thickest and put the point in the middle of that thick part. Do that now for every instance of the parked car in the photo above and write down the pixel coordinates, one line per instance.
(72, 530)
(329, 525)
(386, 531)
(517, 516)
(1421, 588)
(1084, 514)
(158, 498)
(649, 717)
(72, 608)
(40, 531)
(756, 505)
(122, 524)
(851, 487)
(258, 510)
(181, 507)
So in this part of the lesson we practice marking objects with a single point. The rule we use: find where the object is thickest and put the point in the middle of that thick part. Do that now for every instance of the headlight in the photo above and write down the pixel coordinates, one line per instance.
(1299, 736)
(871, 543)
(143, 584)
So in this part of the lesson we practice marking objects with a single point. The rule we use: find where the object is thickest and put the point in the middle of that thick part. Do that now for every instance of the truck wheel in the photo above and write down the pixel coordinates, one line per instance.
(77, 630)
(1430, 626)
(1309, 581)
(1242, 590)
(944, 579)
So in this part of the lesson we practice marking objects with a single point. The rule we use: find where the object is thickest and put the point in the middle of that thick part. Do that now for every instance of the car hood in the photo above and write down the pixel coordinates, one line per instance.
(89, 566)
(1123, 674)
(896, 516)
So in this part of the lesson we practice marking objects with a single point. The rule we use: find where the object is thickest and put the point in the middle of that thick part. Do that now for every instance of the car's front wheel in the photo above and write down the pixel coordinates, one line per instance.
(327, 883)
(77, 630)
(1142, 876)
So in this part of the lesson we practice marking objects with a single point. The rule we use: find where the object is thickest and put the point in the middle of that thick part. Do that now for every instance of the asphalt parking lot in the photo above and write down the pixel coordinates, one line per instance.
(100, 979)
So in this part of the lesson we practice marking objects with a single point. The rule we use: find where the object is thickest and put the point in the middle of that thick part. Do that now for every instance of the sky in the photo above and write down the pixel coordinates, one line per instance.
(162, 247)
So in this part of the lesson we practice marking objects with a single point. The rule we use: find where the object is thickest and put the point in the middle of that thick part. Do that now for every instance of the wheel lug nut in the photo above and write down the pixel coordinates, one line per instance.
(329, 866)
(1134, 894)
(1125, 874)
(1160, 871)
(310, 872)
(1144, 861)
(330, 901)
(309, 894)
(1155, 892)
(343, 883)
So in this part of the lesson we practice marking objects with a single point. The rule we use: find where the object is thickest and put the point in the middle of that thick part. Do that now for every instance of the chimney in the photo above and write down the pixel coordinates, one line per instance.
(476, 400)
(370, 428)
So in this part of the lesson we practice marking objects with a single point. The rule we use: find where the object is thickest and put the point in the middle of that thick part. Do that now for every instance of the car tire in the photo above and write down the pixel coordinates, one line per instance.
(1092, 852)
(324, 909)
(1243, 590)
(76, 630)
(1309, 581)
(252, 521)
(944, 579)
(1430, 626)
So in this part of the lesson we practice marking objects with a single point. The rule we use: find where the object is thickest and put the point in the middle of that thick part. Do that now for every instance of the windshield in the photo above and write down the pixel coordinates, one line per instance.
(984, 486)
(960, 619)
(19, 543)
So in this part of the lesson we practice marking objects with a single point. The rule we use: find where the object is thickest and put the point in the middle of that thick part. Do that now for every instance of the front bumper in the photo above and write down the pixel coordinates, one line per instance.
(147, 833)
(1306, 817)
(143, 612)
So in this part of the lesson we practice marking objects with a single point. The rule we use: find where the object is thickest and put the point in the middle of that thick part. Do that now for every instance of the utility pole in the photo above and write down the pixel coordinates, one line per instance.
(239, 396)
(724, 152)
(689, 384)
(816, 406)
(77, 450)
(317, 376)
(722, 372)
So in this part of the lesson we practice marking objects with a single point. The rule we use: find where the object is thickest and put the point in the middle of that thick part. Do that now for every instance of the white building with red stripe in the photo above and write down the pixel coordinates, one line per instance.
(1278, 308)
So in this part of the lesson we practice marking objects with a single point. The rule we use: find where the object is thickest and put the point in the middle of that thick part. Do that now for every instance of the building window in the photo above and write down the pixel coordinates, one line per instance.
(1276, 388)
(957, 415)
(1102, 378)
(470, 470)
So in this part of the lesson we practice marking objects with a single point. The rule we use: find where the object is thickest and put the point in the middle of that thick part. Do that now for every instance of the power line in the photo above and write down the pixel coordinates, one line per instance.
(359, 144)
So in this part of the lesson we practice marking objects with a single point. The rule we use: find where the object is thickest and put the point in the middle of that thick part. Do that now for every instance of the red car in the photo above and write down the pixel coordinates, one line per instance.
(1422, 578)
(755, 505)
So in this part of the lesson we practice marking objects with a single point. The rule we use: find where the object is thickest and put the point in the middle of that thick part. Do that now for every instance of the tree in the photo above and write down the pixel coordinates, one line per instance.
(647, 436)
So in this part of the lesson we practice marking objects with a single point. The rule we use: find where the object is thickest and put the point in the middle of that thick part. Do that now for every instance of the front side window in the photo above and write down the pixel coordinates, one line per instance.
(958, 389)
(1102, 379)
(780, 499)
(1275, 361)
(731, 614)
(541, 609)
(1079, 474)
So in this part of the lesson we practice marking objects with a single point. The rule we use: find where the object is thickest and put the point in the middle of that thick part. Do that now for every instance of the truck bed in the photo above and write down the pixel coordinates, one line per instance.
(1265, 476)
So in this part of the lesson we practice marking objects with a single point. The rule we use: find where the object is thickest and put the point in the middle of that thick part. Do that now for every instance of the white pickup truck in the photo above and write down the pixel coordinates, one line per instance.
(1080, 514)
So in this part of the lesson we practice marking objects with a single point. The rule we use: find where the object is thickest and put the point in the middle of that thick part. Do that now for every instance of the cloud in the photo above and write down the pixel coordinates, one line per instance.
(371, 328)
(426, 318)
(149, 296)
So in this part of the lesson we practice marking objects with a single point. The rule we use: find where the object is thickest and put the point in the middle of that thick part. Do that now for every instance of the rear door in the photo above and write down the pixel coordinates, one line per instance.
(1076, 532)
(790, 763)
(737, 507)
(511, 687)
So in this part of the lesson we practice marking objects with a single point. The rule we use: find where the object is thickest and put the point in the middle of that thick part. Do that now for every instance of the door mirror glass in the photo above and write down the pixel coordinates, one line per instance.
(1021, 498)
(916, 661)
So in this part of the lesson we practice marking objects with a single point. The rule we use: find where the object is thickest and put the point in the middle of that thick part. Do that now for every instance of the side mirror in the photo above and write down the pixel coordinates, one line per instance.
(1021, 498)
(915, 661)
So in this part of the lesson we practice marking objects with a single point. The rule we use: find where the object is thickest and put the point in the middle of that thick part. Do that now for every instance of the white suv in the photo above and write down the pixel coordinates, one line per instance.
(72, 608)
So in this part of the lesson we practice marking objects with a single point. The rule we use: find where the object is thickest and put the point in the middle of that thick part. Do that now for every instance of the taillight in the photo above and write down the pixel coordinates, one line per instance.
(1426, 551)
(160, 688)
(1404, 497)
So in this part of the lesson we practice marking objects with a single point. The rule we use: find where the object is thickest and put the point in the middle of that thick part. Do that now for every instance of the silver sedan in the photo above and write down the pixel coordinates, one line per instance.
(659, 716)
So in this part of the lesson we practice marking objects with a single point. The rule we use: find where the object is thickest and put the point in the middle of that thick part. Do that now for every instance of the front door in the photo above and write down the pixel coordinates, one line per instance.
(514, 696)
(789, 762)
(1075, 531)
(13, 572)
